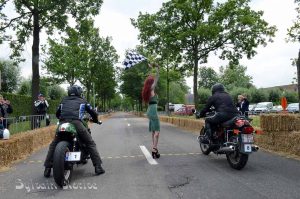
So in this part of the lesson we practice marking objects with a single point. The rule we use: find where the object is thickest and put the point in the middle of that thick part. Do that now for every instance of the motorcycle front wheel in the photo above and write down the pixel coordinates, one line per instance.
(237, 160)
(62, 170)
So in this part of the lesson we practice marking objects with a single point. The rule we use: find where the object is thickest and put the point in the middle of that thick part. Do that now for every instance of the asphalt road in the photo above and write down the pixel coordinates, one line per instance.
(181, 172)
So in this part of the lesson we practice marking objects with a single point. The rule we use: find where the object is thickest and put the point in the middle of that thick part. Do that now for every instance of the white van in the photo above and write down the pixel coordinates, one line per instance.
(263, 107)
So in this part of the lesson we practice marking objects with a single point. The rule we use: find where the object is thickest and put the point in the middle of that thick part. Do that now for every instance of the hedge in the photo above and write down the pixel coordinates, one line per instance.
(21, 104)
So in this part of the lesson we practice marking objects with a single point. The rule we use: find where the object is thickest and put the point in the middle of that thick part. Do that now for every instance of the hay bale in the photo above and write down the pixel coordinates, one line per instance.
(182, 122)
(176, 121)
(23, 144)
(280, 122)
(280, 141)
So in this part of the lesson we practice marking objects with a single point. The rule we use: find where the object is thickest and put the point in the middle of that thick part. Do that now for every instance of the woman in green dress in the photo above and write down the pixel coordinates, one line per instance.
(150, 97)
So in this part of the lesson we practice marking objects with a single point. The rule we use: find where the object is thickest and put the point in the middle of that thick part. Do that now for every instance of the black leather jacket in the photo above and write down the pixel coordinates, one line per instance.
(74, 107)
(222, 102)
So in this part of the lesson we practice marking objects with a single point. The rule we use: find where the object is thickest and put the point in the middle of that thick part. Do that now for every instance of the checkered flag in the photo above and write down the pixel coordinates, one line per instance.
(132, 58)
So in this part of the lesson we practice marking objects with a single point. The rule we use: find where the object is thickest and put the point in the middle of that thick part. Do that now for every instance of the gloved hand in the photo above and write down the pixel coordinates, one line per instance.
(197, 114)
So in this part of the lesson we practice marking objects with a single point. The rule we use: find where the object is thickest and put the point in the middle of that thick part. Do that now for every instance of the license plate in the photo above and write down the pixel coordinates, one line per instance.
(73, 156)
(247, 138)
(247, 148)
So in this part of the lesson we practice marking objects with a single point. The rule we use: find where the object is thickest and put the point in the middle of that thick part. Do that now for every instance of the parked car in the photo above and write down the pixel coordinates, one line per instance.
(185, 110)
(263, 107)
(293, 108)
(171, 107)
(276, 109)
(251, 109)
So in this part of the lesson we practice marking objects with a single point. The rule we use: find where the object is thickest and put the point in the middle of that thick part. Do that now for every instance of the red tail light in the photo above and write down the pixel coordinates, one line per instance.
(240, 123)
(248, 130)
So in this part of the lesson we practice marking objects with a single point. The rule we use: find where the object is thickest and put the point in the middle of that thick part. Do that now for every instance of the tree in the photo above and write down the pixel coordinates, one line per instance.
(178, 90)
(33, 16)
(55, 92)
(25, 87)
(207, 77)
(10, 76)
(275, 95)
(133, 82)
(294, 36)
(204, 94)
(258, 95)
(234, 75)
(291, 97)
(116, 102)
(198, 28)
(85, 56)
(63, 62)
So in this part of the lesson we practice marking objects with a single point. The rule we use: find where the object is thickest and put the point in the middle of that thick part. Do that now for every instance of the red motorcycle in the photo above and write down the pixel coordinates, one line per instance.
(234, 138)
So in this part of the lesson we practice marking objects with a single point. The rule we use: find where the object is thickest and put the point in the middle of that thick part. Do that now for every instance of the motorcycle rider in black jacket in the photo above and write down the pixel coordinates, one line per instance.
(224, 110)
(72, 109)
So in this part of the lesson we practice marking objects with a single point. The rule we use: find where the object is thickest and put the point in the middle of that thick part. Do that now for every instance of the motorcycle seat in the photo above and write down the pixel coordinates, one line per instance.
(229, 123)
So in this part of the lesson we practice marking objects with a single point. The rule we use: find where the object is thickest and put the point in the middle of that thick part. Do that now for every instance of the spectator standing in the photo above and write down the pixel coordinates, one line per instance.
(42, 106)
(243, 104)
(6, 110)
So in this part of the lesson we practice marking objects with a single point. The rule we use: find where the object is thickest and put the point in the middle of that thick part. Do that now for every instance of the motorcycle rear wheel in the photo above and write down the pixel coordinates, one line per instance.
(205, 148)
(237, 160)
(62, 170)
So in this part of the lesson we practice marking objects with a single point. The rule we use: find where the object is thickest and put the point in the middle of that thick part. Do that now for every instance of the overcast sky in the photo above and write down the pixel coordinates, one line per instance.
(270, 67)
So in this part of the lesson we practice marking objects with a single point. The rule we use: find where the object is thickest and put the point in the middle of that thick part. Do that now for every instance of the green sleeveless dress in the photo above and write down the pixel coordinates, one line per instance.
(154, 124)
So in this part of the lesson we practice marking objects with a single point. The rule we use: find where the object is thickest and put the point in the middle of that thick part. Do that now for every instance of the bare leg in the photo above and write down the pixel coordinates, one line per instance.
(155, 139)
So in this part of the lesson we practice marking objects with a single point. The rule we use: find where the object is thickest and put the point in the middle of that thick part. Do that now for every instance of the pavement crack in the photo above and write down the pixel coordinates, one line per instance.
(173, 188)
(180, 184)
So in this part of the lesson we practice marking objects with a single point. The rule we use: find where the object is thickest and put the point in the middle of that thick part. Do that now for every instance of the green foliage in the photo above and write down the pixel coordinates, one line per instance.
(56, 92)
(294, 30)
(85, 56)
(33, 16)
(204, 94)
(10, 76)
(234, 75)
(25, 88)
(133, 82)
(258, 95)
(194, 29)
(22, 104)
(291, 97)
(48, 87)
(293, 35)
(177, 92)
(116, 102)
(207, 77)
(275, 95)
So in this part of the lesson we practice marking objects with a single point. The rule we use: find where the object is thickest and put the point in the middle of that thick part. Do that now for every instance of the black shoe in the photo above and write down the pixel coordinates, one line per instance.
(47, 172)
(155, 154)
(99, 170)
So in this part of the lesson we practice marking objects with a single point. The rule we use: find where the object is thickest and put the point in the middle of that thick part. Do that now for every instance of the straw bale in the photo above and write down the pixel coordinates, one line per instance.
(281, 141)
(23, 144)
(280, 122)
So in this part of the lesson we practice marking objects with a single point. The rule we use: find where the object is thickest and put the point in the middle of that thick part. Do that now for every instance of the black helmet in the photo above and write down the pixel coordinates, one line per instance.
(75, 91)
(217, 88)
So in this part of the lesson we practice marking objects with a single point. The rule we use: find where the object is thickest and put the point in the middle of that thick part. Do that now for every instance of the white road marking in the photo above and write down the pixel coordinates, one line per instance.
(148, 155)
(128, 124)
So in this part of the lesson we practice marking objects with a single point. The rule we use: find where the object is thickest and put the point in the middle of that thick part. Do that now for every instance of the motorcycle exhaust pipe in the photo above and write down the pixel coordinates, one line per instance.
(226, 149)
(255, 148)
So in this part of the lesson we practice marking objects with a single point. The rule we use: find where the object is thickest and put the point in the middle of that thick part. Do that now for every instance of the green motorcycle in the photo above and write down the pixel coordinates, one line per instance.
(68, 152)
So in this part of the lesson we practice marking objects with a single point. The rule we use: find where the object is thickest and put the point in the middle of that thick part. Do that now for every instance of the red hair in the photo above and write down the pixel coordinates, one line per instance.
(147, 88)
